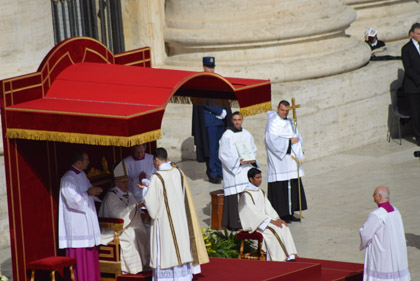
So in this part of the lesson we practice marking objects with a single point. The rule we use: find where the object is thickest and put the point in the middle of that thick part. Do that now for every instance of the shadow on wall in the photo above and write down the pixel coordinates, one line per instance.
(399, 106)
(6, 269)
(413, 240)
(187, 149)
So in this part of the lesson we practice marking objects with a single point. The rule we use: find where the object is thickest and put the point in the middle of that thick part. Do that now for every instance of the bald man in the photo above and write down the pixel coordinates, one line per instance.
(382, 235)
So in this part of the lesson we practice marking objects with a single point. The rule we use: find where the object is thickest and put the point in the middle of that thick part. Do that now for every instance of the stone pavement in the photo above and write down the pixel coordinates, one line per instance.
(339, 191)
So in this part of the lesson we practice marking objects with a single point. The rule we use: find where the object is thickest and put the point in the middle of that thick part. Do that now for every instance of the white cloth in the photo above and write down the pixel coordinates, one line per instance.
(278, 132)
(235, 175)
(134, 240)
(170, 242)
(254, 211)
(78, 225)
(134, 168)
(382, 236)
(179, 273)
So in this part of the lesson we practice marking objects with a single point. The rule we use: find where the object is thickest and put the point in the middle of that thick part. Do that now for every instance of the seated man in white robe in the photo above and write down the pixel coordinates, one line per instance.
(257, 214)
(139, 168)
(383, 239)
(134, 239)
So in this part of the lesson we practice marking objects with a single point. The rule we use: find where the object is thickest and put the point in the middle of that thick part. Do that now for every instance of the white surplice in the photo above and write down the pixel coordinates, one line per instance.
(255, 212)
(170, 254)
(134, 240)
(78, 225)
(382, 236)
(278, 132)
(235, 175)
(134, 168)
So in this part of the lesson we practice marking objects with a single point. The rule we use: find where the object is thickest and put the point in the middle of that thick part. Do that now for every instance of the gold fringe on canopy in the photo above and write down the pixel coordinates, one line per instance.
(83, 138)
(204, 101)
(255, 109)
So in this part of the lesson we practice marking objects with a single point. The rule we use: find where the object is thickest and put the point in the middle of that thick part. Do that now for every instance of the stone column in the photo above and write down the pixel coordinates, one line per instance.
(283, 40)
(143, 22)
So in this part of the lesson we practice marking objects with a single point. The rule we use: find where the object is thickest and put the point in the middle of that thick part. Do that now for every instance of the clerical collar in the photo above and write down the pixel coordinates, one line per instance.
(74, 169)
(165, 166)
(233, 129)
(137, 158)
(252, 187)
(387, 206)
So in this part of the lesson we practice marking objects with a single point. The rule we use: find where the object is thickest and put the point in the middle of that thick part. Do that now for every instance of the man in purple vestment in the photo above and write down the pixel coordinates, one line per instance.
(78, 226)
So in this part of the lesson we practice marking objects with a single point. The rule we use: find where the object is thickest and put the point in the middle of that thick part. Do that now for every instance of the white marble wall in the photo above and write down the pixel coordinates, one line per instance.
(27, 36)
(338, 112)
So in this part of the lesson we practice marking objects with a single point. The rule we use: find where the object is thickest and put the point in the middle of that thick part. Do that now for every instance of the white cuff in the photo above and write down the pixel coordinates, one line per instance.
(264, 224)
(222, 115)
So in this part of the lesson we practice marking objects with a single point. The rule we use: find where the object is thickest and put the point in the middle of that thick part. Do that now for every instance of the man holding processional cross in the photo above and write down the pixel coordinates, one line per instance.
(284, 157)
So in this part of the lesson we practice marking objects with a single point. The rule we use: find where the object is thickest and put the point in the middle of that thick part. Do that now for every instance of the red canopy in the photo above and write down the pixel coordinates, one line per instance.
(83, 97)
(98, 103)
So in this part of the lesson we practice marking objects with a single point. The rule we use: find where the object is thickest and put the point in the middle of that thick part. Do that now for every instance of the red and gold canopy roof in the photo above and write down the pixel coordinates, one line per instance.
(82, 93)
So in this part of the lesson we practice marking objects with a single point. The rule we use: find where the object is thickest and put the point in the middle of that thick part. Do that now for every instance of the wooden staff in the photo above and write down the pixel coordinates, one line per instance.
(293, 108)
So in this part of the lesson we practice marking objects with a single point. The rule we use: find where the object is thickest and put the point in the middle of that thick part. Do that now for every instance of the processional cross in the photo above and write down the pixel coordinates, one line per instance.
(293, 108)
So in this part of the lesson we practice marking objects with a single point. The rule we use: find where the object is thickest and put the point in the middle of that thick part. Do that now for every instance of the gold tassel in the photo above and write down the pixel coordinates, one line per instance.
(83, 138)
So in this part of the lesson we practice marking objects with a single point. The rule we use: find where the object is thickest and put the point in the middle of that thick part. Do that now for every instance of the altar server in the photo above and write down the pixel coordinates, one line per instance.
(234, 141)
(177, 245)
(383, 239)
(78, 226)
(257, 214)
(282, 142)
(139, 167)
(134, 240)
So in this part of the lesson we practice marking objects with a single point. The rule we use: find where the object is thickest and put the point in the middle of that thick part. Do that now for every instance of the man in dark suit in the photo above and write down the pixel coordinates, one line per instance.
(410, 54)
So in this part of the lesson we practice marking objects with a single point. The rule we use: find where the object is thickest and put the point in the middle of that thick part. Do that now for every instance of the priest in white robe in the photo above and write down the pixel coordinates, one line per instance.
(257, 214)
(177, 246)
(383, 239)
(139, 167)
(237, 151)
(78, 226)
(282, 144)
(134, 239)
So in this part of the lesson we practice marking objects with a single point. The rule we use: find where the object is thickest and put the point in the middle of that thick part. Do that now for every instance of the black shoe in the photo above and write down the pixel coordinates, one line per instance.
(293, 218)
(215, 180)
(286, 219)
(219, 177)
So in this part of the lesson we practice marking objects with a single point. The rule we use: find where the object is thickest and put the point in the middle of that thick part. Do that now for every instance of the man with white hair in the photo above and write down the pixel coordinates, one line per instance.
(382, 235)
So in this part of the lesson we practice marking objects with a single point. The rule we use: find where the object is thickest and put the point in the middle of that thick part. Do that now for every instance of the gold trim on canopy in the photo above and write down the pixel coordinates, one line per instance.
(255, 109)
(83, 138)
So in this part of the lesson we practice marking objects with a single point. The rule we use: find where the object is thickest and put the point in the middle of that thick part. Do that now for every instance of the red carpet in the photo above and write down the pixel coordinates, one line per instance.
(302, 269)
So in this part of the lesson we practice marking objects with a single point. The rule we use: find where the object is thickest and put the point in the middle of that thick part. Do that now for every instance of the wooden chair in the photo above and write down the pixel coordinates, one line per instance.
(52, 264)
(109, 255)
(259, 253)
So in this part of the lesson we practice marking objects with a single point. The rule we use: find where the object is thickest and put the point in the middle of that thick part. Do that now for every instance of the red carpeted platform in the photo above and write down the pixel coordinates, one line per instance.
(301, 270)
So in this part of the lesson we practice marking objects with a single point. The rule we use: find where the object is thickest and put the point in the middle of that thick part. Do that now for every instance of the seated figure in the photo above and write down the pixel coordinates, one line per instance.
(134, 239)
(257, 214)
